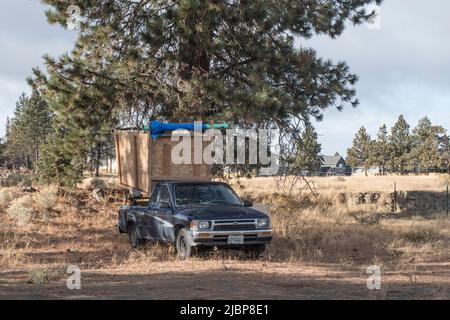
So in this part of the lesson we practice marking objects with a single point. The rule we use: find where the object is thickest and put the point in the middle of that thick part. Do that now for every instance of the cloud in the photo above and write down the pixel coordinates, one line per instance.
(25, 36)
(403, 69)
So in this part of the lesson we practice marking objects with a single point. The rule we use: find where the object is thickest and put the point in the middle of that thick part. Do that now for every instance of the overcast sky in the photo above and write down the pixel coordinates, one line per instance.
(404, 67)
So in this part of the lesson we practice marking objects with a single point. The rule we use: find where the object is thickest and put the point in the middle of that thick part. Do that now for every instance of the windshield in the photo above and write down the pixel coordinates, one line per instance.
(205, 193)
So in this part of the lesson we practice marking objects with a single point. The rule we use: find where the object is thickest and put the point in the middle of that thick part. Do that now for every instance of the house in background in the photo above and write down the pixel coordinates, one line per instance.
(334, 166)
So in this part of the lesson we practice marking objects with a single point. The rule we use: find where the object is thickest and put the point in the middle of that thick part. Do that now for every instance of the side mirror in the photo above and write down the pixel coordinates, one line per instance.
(248, 204)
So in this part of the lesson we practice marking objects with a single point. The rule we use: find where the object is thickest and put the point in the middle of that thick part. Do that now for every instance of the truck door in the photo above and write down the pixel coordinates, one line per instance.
(146, 219)
(164, 215)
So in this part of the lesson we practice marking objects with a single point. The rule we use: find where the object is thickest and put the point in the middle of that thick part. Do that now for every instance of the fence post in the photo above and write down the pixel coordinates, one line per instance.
(395, 196)
(447, 197)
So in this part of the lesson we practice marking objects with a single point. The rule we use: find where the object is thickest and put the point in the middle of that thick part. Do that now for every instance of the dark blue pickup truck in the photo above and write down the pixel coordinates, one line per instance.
(196, 214)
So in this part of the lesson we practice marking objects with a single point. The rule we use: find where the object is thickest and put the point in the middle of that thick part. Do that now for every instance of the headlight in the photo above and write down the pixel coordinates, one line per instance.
(200, 225)
(263, 223)
(203, 224)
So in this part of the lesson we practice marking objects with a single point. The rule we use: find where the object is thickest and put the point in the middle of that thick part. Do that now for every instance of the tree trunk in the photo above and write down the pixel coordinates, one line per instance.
(91, 163)
(97, 160)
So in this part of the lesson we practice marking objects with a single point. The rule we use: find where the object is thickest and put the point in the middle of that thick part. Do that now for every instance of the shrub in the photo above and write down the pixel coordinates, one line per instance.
(6, 197)
(46, 198)
(21, 209)
(39, 277)
(46, 275)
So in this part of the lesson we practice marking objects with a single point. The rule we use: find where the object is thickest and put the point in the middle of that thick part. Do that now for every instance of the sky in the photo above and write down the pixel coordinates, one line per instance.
(403, 66)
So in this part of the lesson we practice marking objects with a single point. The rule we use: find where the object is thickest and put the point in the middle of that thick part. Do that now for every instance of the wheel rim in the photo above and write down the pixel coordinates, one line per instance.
(182, 245)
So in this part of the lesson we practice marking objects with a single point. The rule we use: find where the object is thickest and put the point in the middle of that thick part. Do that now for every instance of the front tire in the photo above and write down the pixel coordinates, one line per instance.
(183, 245)
(135, 241)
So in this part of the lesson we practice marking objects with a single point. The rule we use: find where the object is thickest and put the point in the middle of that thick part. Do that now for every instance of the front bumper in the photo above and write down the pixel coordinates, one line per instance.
(220, 238)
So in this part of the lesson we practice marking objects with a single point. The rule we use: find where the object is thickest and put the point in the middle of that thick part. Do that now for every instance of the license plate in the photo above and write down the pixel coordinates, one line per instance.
(236, 239)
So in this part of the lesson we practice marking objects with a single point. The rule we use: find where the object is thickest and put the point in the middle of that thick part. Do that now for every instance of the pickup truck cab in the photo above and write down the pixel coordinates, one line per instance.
(196, 214)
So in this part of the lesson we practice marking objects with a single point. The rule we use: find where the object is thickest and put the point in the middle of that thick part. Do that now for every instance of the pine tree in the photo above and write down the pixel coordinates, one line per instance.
(308, 151)
(57, 164)
(2, 153)
(29, 128)
(426, 142)
(359, 155)
(201, 59)
(196, 60)
(401, 144)
(7, 128)
(381, 150)
(444, 152)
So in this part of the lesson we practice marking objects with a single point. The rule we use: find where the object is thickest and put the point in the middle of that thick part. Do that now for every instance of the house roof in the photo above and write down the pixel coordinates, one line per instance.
(330, 160)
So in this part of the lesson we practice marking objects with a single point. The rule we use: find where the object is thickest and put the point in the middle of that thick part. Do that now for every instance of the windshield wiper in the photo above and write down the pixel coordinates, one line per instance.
(222, 202)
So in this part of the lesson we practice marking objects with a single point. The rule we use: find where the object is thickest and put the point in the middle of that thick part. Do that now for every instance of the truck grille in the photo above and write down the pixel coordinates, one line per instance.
(234, 227)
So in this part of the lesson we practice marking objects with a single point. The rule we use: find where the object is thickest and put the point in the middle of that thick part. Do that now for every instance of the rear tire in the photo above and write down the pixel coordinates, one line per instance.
(135, 241)
(183, 245)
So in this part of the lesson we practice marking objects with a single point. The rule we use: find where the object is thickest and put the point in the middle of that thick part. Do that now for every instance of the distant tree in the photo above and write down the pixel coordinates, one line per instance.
(381, 150)
(2, 152)
(28, 130)
(308, 150)
(359, 155)
(400, 144)
(7, 127)
(426, 149)
(445, 153)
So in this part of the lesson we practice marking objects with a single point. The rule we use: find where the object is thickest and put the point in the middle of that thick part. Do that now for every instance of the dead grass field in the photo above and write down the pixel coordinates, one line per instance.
(321, 249)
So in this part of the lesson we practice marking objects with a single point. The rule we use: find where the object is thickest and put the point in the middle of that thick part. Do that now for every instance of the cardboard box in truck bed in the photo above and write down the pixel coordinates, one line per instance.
(142, 162)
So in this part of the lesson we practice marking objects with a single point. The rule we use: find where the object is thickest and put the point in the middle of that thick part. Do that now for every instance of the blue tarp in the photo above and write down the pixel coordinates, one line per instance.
(157, 128)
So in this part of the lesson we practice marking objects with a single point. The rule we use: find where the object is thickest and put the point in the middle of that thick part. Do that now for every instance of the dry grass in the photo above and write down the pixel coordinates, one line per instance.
(325, 238)
(332, 185)
(328, 229)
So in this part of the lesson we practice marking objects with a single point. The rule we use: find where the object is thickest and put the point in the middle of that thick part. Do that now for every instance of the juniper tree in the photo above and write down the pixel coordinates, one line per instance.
(199, 60)
(360, 154)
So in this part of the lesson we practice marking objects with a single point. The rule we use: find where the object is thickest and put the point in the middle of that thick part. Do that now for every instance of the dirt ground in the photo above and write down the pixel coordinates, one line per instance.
(145, 275)
(234, 280)
(321, 259)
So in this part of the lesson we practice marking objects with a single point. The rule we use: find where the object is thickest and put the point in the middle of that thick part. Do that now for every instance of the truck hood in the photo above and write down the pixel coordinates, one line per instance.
(221, 212)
